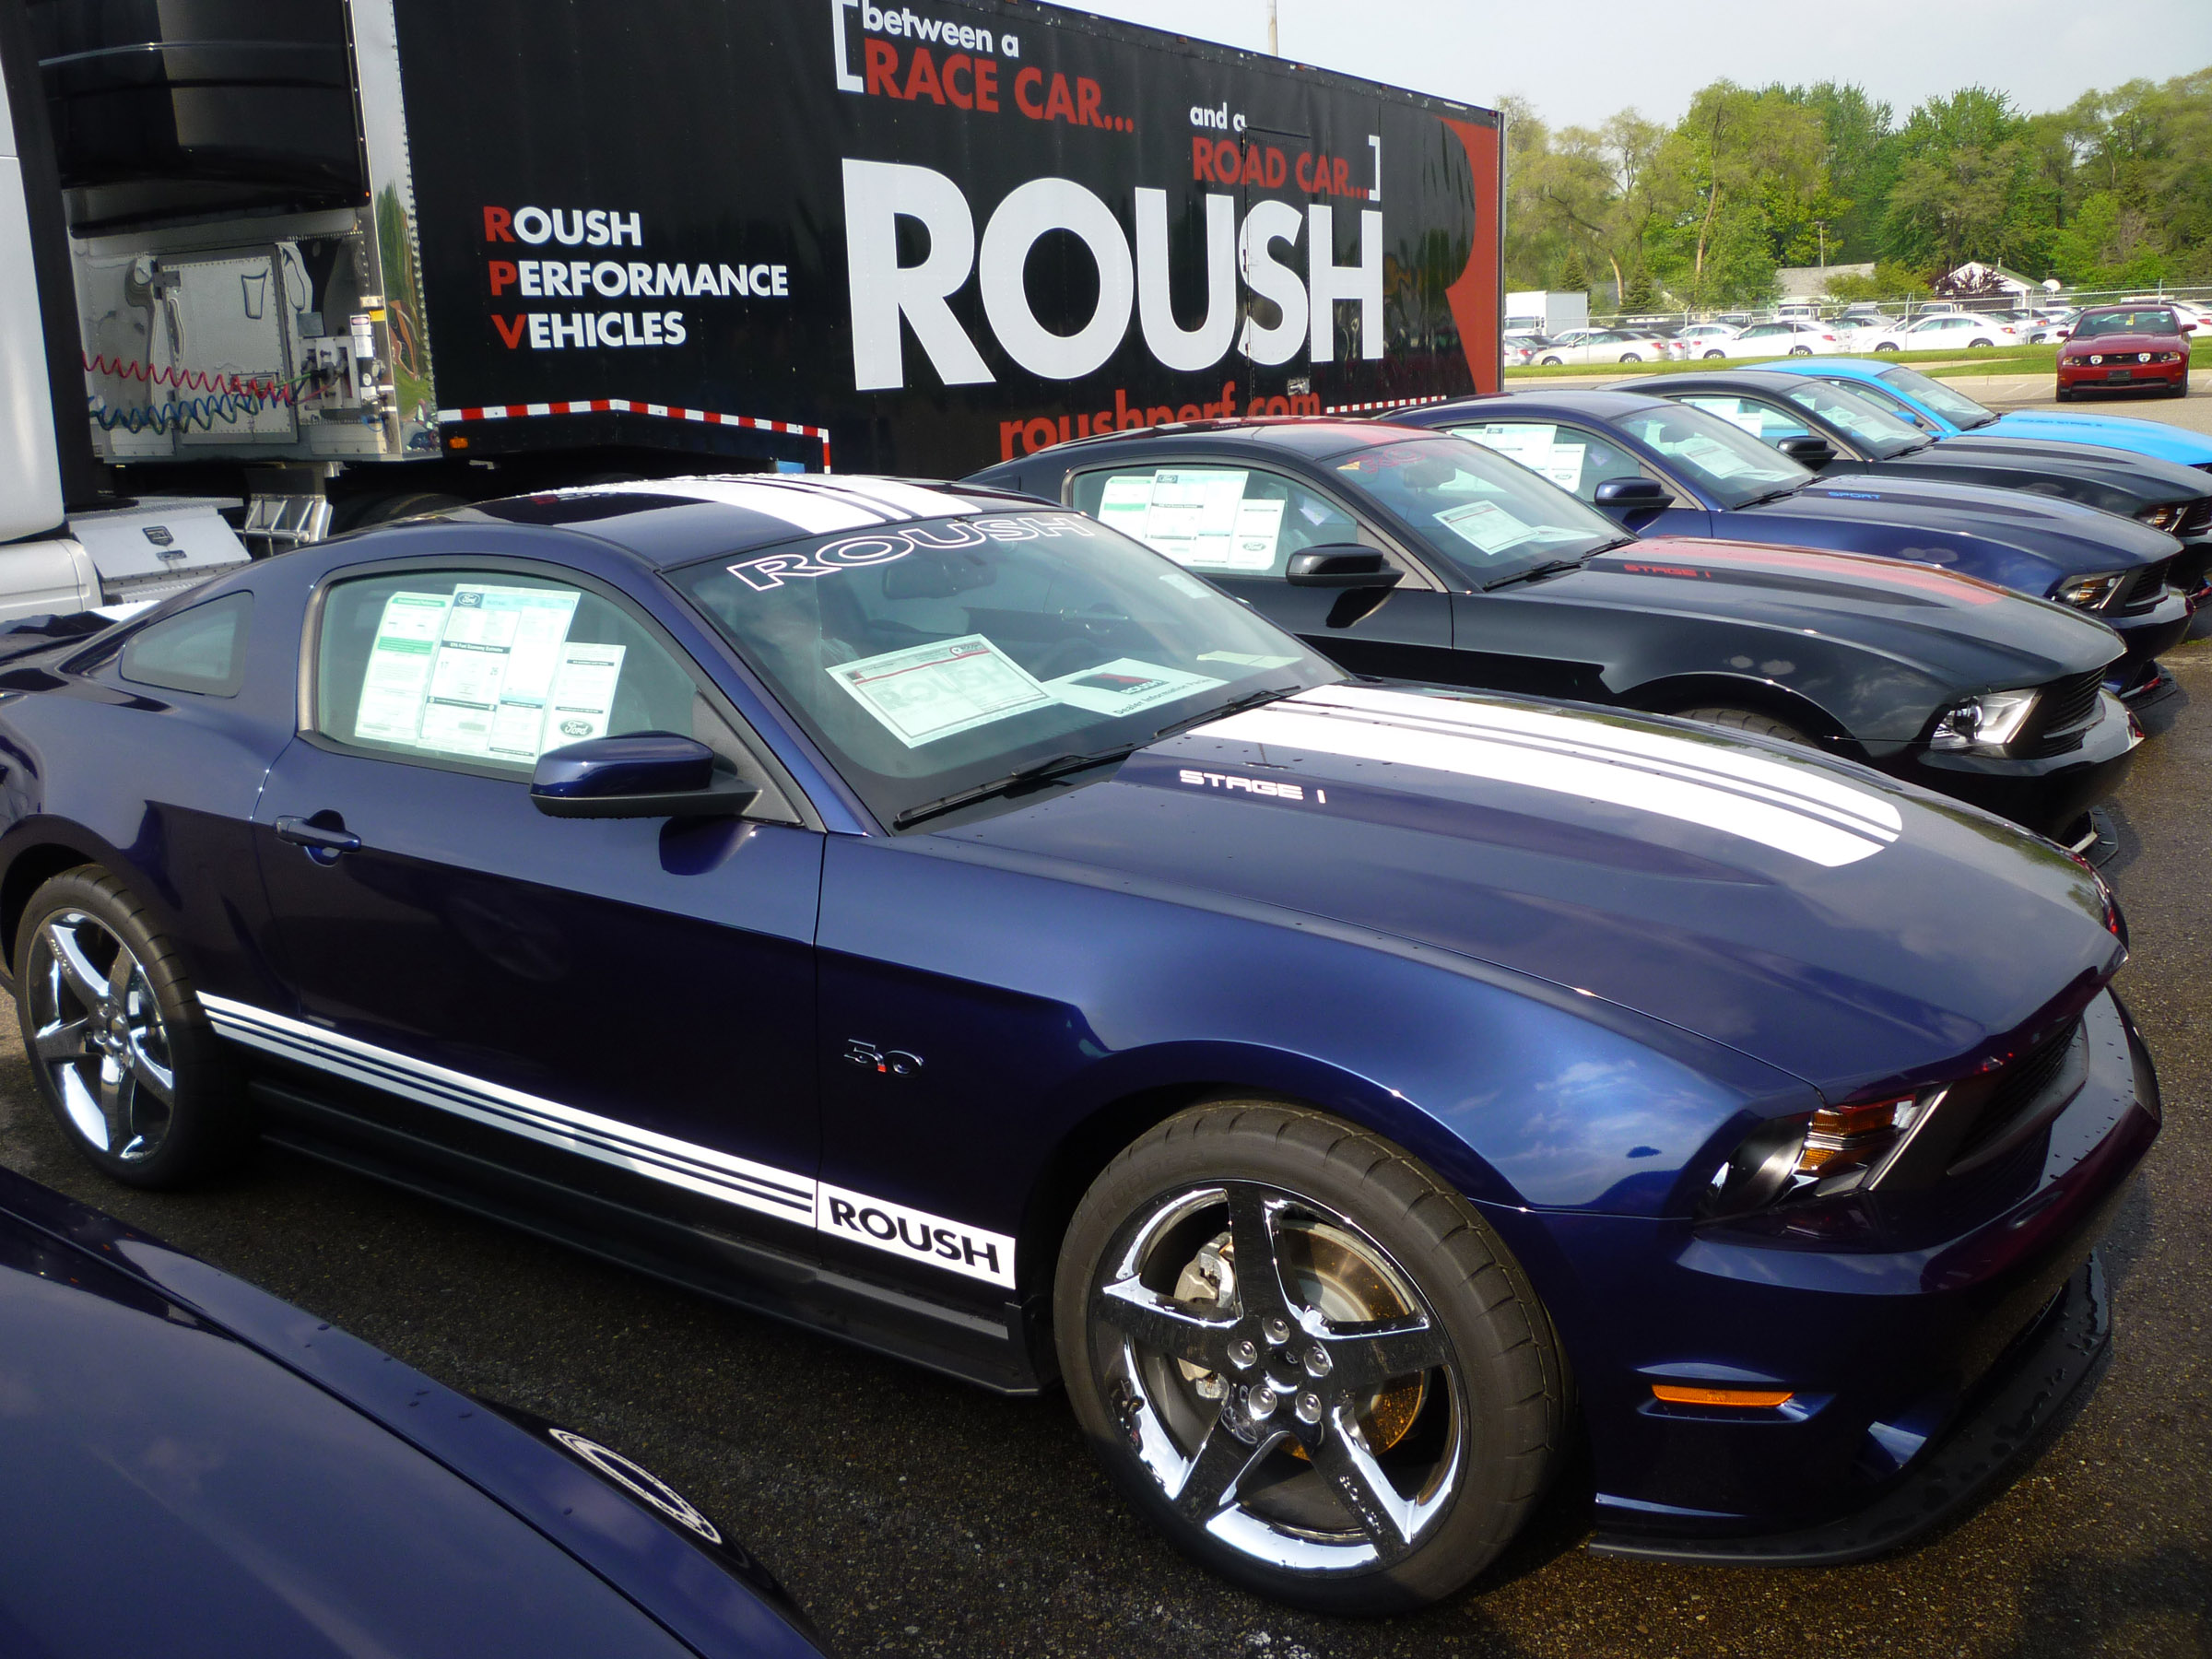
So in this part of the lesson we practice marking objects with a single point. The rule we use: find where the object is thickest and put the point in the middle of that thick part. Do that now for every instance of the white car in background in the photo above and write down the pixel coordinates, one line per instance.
(1604, 345)
(1946, 331)
(1711, 339)
(1787, 336)
(2049, 328)
(1860, 329)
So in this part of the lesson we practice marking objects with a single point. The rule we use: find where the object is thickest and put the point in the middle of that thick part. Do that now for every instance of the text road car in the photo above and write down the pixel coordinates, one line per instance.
(1714, 478)
(1334, 1084)
(279, 1487)
(1400, 552)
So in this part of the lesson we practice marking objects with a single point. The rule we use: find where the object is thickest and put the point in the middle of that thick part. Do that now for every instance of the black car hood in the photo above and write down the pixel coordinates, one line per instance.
(2135, 481)
(1808, 913)
(2070, 538)
(1954, 630)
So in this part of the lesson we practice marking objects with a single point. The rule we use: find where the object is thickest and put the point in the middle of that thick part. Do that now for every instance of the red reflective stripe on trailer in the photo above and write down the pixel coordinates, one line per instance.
(623, 406)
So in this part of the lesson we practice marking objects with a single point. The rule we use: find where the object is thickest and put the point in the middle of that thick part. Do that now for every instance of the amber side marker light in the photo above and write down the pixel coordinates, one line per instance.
(1767, 1397)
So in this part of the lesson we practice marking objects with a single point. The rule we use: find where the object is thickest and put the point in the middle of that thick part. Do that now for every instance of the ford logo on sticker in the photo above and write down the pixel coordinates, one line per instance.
(575, 728)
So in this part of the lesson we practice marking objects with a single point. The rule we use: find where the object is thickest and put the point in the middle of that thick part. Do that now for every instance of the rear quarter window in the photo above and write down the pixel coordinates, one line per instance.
(201, 649)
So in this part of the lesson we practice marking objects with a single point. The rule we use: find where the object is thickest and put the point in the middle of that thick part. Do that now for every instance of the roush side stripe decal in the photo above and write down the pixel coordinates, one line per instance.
(879, 1223)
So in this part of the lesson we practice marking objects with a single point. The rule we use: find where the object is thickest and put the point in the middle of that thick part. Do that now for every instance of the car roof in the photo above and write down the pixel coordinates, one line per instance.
(669, 521)
(1577, 400)
(1317, 436)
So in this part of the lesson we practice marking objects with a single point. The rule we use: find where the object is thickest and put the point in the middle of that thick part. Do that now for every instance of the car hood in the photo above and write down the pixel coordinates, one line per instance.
(2126, 433)
(2103, 345)
(2065, 536)
(2139, 479)
(1808, 913)
(1955, 630)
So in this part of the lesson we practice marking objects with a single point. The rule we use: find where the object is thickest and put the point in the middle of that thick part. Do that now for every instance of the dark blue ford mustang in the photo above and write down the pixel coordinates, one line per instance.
(937, 918)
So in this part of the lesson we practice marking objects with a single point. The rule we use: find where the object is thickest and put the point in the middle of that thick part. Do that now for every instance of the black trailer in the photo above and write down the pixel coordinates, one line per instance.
(568, 237)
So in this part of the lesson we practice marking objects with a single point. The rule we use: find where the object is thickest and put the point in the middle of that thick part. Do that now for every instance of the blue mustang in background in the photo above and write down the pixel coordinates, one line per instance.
(932, 916)
(198, 1470)
(1663, 469)
(1938, 406)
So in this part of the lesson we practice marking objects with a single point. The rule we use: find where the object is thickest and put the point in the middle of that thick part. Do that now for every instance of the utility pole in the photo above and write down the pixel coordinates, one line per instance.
(1273, 45)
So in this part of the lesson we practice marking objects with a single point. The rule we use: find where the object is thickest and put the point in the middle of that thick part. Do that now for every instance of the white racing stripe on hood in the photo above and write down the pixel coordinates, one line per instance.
(1790, 809)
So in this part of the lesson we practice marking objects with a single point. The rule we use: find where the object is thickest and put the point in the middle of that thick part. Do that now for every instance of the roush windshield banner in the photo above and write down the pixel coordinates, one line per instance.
(942, 232)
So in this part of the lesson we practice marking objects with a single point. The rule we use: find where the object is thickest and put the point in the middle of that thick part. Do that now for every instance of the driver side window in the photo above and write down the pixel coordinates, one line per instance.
(1219, 521)
(1570, 457)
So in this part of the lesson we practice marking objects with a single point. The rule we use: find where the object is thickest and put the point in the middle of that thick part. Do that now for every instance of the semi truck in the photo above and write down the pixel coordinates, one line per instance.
(270, 269)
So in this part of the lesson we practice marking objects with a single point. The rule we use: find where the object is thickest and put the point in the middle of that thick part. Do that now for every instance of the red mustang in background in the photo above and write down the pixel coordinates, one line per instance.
(2120, 346)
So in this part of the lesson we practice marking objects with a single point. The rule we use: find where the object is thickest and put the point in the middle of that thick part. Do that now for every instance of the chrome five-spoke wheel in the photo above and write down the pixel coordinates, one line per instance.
(97, 1033)
(1281, 1379)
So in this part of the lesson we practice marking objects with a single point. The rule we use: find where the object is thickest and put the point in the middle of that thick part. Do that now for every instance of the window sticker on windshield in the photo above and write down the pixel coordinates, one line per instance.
(398, 675)
(1190, 514)
(1127, 685)
(1534, 447)
(1485, 524)
(925, 692)
(1240, 659)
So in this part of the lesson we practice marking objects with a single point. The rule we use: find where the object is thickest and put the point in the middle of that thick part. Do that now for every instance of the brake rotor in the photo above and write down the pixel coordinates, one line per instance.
(1334, 1277)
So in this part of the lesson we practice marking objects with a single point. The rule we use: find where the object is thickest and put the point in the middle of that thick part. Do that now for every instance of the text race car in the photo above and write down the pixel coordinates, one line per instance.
(1838, 430)
(1714, 478)
(1410, 554)
(936, 917)
(1940, 407)
(266, 1484)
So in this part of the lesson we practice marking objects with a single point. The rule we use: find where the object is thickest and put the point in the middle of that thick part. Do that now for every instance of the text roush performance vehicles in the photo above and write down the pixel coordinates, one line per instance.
(1345, 1091)
(1405, 553)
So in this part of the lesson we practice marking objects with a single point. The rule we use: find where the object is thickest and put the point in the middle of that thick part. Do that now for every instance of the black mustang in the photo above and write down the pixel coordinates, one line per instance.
(1838, 428)
(1406, 554)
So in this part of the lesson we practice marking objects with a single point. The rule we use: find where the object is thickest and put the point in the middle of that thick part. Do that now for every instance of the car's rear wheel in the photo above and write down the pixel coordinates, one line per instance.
(1553, 362)
(1801, 351)
(1751, 721)
(1307, 1359)
(1716, 354)
(1886, 346)
(117, 1039)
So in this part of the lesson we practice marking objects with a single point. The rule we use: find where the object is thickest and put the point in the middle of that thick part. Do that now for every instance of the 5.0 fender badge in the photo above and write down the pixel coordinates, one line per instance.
(895, 1063)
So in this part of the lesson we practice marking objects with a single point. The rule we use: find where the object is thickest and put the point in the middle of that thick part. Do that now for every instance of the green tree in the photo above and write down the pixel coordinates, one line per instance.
(1573, 279)
(1728, 155)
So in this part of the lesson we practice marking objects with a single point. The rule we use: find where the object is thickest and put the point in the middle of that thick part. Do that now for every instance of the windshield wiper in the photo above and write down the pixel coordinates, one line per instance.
(1041, 772)
(1020, 778)
(1550, 567)
(1772, 495)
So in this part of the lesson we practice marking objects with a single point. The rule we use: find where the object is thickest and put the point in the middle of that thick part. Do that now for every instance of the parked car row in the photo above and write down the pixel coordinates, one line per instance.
(1381, 955)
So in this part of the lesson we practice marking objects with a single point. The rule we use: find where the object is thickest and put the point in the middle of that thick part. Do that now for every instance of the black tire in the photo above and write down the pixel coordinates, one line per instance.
(204, 1124)
(1553, 362)
(1751, 721)
(2181, 388)
(1716, 354)
(2065, 394)
(1631, 357)
(1489, 1416)
(1979, 345)
(1886, 346)
(1801, 351)
(389, 508)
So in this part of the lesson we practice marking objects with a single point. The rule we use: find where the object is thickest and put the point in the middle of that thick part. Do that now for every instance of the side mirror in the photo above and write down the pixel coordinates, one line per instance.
(1631, 497)
(1348, 566)
(1815, 453)
(646, 774)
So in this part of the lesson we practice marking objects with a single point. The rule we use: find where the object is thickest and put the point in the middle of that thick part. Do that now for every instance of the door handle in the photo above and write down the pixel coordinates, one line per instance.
(323, 843)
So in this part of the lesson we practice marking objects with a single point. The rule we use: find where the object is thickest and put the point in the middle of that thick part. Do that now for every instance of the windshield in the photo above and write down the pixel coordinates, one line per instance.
(1481, 511)
(2159, 321)
(1954, 407)
(932, 657)
(1727, 463)
(1871, 425)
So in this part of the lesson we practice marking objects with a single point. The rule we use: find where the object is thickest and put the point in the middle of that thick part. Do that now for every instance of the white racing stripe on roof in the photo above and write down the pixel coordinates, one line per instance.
(1807, 816)
(913, 500)
(807, 512)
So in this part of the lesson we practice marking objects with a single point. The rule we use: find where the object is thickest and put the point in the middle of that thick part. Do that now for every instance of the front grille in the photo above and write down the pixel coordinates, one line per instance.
(2197, 519)
(2021, 1089)
(2067, 707)
(2144, 592)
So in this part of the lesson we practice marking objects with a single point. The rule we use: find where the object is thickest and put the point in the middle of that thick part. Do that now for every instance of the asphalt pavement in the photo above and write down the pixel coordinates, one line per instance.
(914, 1515)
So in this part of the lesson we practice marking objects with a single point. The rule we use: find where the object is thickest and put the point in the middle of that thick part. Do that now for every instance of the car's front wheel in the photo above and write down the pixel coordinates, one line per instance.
(117, 1039)
(1751, 721)
(1307, 1359)
(1631, 357)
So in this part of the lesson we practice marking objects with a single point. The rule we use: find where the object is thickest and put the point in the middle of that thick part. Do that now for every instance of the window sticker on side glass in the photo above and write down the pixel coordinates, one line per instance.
(1127, 685)
(925, 692)
(494, 665)
(398, 675)
(581, 702)
(1196, 515)
(1485, 524)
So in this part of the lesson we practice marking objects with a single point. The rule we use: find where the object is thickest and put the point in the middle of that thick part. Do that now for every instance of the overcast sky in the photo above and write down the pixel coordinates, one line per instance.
(1579, 61)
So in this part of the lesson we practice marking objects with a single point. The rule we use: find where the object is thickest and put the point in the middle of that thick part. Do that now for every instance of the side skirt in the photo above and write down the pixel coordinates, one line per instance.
(993, 1353)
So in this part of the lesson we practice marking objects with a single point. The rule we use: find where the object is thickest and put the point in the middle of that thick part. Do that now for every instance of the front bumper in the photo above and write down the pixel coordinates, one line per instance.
(2043, 793)
(2121, 377)
(2148, 634)
(1899, 1326)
